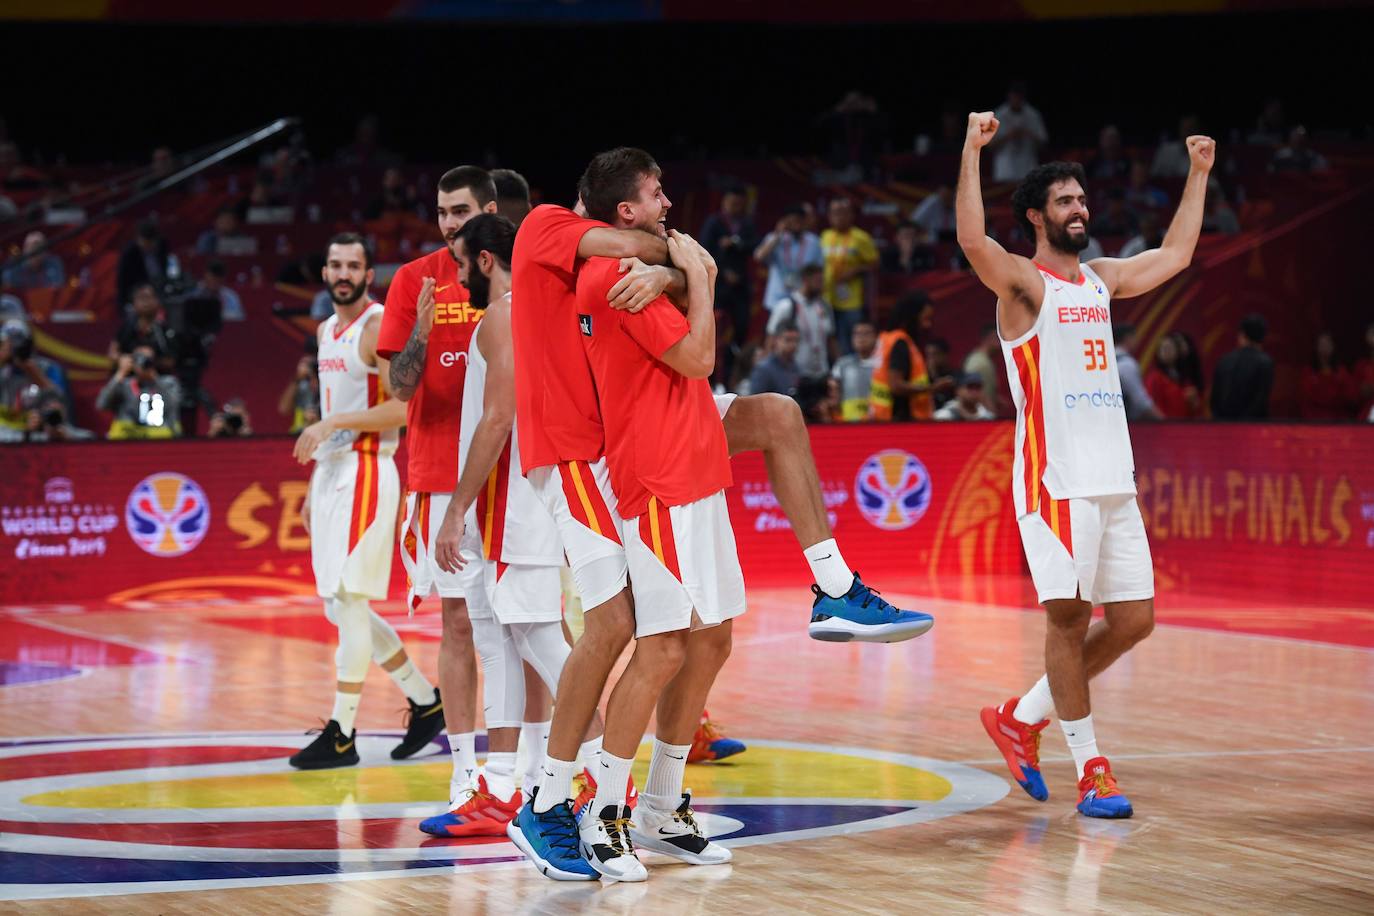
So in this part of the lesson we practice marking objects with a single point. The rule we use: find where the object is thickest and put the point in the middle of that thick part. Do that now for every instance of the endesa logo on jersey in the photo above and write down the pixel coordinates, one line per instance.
(450, 358)
(1097, 398)
(167, 514)
(892, 490)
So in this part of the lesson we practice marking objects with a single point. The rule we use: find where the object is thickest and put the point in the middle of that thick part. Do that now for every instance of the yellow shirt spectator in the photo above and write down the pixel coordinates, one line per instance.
(849, 255)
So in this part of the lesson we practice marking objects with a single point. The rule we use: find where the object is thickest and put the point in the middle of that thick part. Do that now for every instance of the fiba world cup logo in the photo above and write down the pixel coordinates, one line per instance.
(893, 489)
(167, 514)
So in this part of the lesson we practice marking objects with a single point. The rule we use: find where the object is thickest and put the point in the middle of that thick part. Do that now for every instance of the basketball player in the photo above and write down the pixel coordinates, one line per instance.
(669, 467)
(1073, 477)
(426, 330)
(350, 509)
(501, 538)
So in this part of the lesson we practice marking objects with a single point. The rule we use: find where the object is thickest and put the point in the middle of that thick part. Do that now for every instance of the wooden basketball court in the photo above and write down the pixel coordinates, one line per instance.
(143, 746)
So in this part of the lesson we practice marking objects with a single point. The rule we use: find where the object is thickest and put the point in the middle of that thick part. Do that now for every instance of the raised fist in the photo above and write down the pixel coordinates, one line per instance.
(982, 127)
(1202, 152)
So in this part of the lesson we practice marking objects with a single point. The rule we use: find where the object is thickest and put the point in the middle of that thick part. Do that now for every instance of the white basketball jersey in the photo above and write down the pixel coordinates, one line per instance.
(1071, 438)
(509, 518)
(348, 384)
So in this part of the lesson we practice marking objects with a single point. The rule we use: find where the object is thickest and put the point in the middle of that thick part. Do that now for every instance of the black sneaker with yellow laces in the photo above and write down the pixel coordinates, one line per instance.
(423, 724)
(331, 749)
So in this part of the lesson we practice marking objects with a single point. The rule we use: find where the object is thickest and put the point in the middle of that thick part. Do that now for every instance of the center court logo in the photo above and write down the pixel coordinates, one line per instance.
(167, 514)
(893, 489)
(226, 810)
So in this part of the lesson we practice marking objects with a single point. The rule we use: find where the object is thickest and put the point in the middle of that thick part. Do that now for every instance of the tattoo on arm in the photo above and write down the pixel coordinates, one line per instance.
(407, 366)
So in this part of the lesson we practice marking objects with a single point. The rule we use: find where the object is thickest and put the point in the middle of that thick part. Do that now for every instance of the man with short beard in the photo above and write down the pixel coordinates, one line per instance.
(350, 510)
(1073, 474)
(426, 329)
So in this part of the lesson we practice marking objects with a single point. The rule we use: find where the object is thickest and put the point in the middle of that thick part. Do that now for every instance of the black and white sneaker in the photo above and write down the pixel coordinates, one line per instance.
(607, 845)
(331, 749)
(675, 833)
(423, 724)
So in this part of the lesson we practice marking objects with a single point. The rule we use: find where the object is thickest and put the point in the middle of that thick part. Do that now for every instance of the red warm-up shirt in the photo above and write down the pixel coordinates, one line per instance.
(663, 434)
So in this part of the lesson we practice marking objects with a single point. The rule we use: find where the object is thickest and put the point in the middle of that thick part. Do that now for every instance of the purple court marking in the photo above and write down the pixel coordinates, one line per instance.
(13, 673)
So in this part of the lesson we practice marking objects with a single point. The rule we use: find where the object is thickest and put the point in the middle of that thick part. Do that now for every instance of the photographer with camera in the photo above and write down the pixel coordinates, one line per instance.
(231, 421)
(300, 399)
(146, 328)
(146, 404)
(45, 419)
(20, 369)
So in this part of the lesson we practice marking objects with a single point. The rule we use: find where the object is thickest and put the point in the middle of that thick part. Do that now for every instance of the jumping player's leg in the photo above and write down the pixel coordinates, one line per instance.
(844, 608)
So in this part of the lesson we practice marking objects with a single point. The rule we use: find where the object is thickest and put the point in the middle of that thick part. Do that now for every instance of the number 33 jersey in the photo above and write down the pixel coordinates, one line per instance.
(1071, 437)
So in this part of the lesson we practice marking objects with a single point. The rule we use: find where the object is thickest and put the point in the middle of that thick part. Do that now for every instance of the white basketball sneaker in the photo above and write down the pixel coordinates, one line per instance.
(674, 832)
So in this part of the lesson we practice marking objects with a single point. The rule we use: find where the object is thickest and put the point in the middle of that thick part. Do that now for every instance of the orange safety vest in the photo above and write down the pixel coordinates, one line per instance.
(881, 400)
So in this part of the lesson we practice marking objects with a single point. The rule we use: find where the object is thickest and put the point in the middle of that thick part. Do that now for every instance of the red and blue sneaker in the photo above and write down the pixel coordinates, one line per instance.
(482, 814)
(1019, 744)
(584, 793)
(709, 743)
(1098, 795)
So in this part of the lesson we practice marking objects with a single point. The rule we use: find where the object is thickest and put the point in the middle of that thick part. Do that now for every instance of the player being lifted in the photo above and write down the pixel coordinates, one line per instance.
(1073, 474)
(350, 509)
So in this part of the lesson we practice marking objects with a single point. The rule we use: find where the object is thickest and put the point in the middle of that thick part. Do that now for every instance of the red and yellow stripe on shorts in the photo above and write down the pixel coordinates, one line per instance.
(584, 499)
(656, 531)
(365, 484)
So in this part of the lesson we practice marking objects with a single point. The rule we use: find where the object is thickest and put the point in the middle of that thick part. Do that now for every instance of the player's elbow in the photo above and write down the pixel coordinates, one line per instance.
(971, 242)
(697, 363)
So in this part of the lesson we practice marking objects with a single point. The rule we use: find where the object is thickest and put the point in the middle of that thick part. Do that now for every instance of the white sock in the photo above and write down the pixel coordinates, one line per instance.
(345, 710)
(1082, 741)
(663, 788)
(413, 684)
(612, 781)
(555, 785)
(464, 764)
(588, 753)
(534, 739)
(832, 573)
(499, 771)
(1037, 705)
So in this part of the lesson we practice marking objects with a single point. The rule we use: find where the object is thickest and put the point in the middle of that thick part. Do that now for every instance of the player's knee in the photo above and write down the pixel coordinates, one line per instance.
(457, 626)
(717, 641)
(664, 652)
(782, 416)
(1141, 622)
(1069, 615)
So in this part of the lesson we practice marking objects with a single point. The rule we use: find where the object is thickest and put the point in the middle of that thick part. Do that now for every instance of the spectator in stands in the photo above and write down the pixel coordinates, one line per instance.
(849, 256)
(1109, 161)
(902, 386)
(146, 328)
(145, 403)
(212, 286)
(1297, 156)
(1270, 127)
(1219, 217)
(45, 419)
(161, 164)
(1017, 143)
(936, 352)
(512, 194)
(853, 372)
(778, 373)
(857, 131)
(1364, 377)
(967, 402)
(786, 251)
(14, 174)
(818, 399)
(1328, 390)
(814, 319)
(1171, 157)
(983, 361)
(908, 253)
(144, 261)
(1149, 237)
(300, 399)
(1116, 218)
(39, 269)
(1141, 196)
(22, 369)
(1175, 396)
(8, 209)
(225, 237)
(935, 214)
(395, 196)
(1244, 377)
(1139, 404)
(231, 421)
(730, 237)
(744, 366)
(1188, 363)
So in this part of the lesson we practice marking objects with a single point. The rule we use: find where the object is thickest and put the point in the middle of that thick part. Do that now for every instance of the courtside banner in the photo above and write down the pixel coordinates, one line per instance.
(1267, 511)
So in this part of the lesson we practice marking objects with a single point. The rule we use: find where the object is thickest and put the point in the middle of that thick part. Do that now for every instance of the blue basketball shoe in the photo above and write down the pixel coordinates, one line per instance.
(550, 840)
(1098, 795)
(861, 615)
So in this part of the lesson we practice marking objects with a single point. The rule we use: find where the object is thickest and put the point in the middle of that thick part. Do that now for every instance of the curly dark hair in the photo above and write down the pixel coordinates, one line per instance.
(1034, 190)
